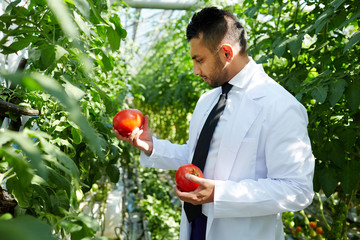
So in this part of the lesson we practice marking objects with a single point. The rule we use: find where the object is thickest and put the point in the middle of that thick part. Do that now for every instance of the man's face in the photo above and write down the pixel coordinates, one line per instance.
(207, 64)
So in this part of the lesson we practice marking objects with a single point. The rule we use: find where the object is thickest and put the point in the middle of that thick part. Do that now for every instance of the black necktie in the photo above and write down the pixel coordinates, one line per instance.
(203, 144)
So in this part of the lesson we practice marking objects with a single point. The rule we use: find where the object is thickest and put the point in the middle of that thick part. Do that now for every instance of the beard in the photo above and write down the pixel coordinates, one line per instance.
(219, 75)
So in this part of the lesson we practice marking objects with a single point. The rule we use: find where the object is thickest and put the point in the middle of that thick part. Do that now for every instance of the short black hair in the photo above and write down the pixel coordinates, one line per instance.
(215, 25)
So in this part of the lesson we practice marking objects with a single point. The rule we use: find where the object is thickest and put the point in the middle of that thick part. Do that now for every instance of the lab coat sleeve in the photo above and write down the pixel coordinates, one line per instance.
(289, 164)
(165, 155)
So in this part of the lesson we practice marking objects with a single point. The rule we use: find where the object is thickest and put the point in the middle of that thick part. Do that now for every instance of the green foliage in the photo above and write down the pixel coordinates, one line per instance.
(24, 228)
(160, 204)
(74, 65)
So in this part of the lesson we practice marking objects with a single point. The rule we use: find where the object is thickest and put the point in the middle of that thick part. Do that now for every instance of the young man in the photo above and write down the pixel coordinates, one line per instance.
(259, 163)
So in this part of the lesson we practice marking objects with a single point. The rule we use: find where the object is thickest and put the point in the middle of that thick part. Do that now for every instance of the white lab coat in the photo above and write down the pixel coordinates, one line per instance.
(265, 165)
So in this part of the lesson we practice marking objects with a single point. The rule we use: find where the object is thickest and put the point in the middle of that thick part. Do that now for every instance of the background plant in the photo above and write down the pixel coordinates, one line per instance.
(74, 64)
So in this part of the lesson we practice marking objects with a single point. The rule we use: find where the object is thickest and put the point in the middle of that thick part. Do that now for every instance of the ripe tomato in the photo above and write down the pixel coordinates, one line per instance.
(182, 182)
(319, 230)
(127, 120)
(298, 229)
(312, 224)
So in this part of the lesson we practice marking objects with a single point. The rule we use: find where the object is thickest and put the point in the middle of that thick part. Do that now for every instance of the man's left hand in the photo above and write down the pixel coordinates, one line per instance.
(203, 194)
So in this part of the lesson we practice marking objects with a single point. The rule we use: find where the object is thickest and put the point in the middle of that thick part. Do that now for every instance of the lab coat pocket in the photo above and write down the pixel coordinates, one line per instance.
(245, 162)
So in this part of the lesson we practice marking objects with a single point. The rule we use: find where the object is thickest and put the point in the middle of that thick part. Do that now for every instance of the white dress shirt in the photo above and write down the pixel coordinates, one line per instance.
(260, 158)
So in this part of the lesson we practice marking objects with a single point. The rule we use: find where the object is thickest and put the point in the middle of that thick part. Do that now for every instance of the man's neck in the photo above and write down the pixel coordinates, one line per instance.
(238, 64)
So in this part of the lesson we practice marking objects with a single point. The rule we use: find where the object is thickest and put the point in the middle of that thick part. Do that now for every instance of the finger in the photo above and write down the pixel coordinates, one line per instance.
(195, 179)
(185, 196)
(119, 136)
(177, 191)
(146, 123)
(137, 135)
(132, 136)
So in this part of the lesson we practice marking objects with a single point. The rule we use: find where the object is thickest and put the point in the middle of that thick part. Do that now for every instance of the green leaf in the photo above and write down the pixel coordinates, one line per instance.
(337, 153)
(59, 181)
(22, 193)
(72, 90)
(337, 3)
(25, 228)
(354, 16)
(76, 135)
(83, 7)
(59, 52)
(250, 12)
(328, 180)
(323, 19)
(319, 93)
(355, 38)
(295, 44)
(350, 177)
(53, 88)
(42, 193)
(21, 166)
(108, 66)
(96, 12)
(47, 56)
(113, 173)
(280, 48)
(348, 137)
(353, 96)
(63, 162)
(64, 18)
(30, 84)
(70, 227)
(113, 38)
(82, 25)
(115, 19)
(20, 44)
(337, 88)
(28, 147)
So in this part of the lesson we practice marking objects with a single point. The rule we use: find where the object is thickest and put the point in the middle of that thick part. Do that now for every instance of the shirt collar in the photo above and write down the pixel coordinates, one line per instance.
(241, 79)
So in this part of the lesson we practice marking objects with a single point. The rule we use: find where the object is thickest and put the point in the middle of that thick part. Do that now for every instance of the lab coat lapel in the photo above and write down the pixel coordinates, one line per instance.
(234, 134)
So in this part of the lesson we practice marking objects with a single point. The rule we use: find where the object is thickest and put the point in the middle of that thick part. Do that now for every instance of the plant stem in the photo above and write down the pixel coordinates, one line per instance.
(306, 219)
(321, 208)
(7, 173)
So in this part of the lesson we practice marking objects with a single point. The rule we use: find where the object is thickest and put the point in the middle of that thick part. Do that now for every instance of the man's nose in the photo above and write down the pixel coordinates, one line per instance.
(196, 70)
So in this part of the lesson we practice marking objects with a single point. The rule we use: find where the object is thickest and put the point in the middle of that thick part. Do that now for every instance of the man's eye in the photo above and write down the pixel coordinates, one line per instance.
(199, 60)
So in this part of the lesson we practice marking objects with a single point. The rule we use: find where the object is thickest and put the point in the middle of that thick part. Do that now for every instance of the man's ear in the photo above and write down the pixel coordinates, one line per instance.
(228, 52)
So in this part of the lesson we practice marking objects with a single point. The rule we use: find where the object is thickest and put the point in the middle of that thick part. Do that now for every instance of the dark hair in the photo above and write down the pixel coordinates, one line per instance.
(215, 25)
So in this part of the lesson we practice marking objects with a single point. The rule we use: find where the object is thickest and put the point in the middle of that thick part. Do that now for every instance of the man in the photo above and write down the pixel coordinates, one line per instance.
(259, 162)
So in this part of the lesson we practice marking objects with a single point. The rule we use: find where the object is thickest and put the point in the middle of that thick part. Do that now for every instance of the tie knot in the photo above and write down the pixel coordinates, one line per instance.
(226, 87)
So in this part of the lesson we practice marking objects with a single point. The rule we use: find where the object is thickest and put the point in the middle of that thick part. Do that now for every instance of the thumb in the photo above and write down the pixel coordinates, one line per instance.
(194, 179)
(146, 123)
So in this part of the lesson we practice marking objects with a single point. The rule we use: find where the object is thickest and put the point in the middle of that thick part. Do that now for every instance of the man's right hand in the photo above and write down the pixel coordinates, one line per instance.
(139, 138)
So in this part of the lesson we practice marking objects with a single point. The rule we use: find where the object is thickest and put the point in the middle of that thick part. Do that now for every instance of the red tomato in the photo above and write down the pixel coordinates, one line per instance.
(298, 229)
(312, 224)
(182, 182)
(127, 120)
(319, 230)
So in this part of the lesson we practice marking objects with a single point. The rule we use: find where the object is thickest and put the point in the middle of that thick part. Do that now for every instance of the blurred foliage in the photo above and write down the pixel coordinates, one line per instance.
(77, 78)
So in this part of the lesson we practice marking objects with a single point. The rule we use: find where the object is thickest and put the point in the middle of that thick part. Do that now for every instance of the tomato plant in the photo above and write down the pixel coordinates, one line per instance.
(312, 224)
(319, 230)
(182, 182)
(127, 120)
